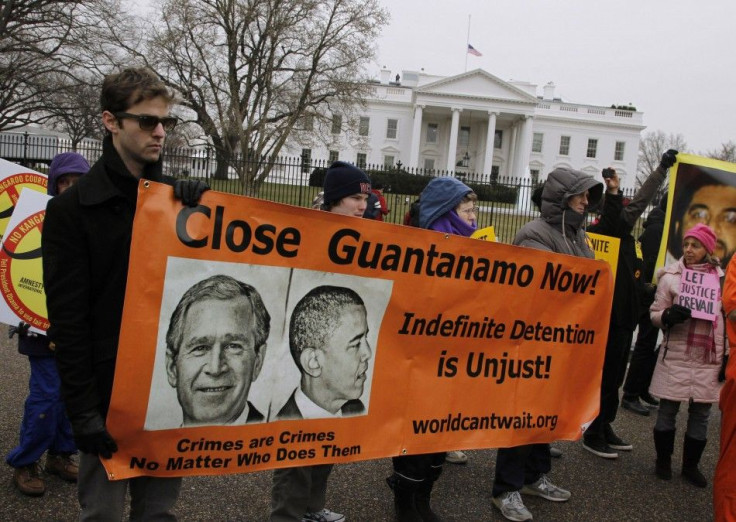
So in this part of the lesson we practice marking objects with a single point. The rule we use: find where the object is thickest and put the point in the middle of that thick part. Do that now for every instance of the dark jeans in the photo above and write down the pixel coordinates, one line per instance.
(520, 465)
(614, 368)
(643, 360)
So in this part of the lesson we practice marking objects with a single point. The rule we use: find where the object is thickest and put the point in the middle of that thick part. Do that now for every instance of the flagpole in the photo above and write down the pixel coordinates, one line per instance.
(466, 46)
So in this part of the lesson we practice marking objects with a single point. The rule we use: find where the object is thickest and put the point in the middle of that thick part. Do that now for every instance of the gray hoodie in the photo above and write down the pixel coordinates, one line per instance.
(560, 229)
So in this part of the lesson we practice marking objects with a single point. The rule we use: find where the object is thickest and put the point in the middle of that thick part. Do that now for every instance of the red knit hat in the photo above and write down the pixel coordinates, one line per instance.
(704, 234)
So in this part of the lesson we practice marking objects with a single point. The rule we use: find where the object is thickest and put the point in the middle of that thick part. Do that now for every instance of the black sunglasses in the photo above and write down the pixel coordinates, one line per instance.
(148, 122)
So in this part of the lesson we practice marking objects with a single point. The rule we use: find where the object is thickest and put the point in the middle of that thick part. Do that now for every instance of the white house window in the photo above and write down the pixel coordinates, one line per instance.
(464, 137)
(306, 160)
(535, 175)
(308, 122)
(618, 154)
(333, 156)
(592, 150)
(361, 160)
(428, 164)
(336, 123)
(432, 131)
(364, 126)
(537, 142)
(392, 129)
(388, 162)
(564, 145)
(498, 139)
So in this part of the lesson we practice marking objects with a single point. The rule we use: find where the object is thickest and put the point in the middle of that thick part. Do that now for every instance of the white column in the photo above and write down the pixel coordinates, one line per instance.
(452, 149)
(490, 138)
(416, 137)
(512, 150)
(524, 147)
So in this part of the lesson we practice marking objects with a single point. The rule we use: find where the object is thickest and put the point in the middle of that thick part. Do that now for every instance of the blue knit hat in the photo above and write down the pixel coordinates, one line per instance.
(344, 179)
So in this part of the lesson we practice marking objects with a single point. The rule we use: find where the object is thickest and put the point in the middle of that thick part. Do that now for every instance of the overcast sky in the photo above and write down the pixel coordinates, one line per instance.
(673, 60)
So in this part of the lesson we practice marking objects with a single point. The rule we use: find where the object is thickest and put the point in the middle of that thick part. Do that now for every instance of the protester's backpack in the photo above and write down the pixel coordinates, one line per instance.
(373, 208)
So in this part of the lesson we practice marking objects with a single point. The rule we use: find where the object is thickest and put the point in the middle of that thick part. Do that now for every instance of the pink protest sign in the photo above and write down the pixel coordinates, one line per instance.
(700, 293)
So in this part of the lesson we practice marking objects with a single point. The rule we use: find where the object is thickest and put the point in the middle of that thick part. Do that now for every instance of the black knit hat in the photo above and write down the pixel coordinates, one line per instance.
(344, 179)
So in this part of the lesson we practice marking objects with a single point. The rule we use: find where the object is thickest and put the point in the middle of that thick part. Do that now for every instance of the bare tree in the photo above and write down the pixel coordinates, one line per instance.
(249, 71)
(34, 36)
(74, 107)
(727, 152)
(651, 147)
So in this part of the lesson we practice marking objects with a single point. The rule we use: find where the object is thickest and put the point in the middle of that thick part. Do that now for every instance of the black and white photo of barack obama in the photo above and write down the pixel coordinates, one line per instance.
(215, 346)
(328, 340)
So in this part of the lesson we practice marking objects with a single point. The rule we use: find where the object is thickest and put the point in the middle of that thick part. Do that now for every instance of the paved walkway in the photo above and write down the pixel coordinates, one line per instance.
(602, 490)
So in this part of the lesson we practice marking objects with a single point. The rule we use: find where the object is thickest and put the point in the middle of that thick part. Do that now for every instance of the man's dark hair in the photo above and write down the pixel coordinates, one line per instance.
(129, 87)
(697, 177)
(316, 316)
(224, 288)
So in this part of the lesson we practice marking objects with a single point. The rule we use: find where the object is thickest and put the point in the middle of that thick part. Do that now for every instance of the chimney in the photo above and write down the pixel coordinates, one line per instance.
(385, 75)
(549, 91)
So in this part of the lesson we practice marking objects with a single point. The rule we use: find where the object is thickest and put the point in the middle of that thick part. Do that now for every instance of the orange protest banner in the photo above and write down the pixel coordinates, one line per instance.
(258, 335)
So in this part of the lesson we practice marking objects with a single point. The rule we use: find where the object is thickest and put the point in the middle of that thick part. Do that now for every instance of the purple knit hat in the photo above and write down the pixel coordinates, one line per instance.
(63, 164)
(704, 234)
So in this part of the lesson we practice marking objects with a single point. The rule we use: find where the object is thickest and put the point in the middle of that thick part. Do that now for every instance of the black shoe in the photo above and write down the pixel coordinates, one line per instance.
(649, 401)
(616, 442)
(663, 468)
(598, 446)
(694, 476)
(635, 407)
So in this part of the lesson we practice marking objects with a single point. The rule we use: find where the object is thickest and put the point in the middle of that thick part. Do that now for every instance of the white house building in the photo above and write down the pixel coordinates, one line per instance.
(481, 127)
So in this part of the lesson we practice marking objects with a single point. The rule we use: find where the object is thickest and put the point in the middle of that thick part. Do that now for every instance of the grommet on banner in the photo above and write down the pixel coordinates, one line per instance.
(146, 184)
(403, 451)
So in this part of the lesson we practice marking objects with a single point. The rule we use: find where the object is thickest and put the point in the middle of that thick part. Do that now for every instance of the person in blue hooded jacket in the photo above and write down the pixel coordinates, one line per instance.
(45, 426)
(445, 205)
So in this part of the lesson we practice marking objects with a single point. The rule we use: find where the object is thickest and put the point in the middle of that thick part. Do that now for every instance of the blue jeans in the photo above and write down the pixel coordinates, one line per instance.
(45, 426)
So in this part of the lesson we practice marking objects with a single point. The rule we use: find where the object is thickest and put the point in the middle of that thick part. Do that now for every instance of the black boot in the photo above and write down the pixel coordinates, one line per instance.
(664, 443)
(421, 502)
(691, 453)
(404, 494)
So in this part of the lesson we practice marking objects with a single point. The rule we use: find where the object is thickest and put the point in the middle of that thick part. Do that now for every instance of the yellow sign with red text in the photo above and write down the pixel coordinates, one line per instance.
(13, 179)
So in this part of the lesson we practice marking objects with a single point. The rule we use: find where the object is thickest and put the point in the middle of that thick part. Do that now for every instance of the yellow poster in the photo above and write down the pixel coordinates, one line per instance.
(605, 248)
(21, 281)
(701, 190)
(485, 234)
(13, 179)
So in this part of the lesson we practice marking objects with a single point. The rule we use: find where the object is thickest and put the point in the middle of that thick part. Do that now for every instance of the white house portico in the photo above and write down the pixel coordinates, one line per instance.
(478, 126)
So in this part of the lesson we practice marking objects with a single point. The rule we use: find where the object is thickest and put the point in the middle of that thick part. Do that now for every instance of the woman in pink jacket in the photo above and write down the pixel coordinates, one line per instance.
(690, 356)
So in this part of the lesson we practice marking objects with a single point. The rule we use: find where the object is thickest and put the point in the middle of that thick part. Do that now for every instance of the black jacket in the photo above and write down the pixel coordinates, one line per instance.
(628, 288)
(86, 245)
(650, 240)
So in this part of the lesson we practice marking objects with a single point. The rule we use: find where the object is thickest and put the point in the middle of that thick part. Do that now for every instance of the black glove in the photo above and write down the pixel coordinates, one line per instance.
(21, 330)
(189, 191)
(722, 372)
(668, 159)
(91, 436)
(675, 314)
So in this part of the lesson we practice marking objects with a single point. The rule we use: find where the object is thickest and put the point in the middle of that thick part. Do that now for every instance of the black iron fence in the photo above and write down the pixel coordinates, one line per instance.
(504, 202)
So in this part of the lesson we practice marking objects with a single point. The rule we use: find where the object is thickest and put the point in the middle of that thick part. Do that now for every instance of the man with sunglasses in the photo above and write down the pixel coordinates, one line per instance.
(86, 245)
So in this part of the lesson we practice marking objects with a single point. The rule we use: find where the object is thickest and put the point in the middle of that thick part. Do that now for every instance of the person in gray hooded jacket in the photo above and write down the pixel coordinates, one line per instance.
(560, 228)
(566, 197)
